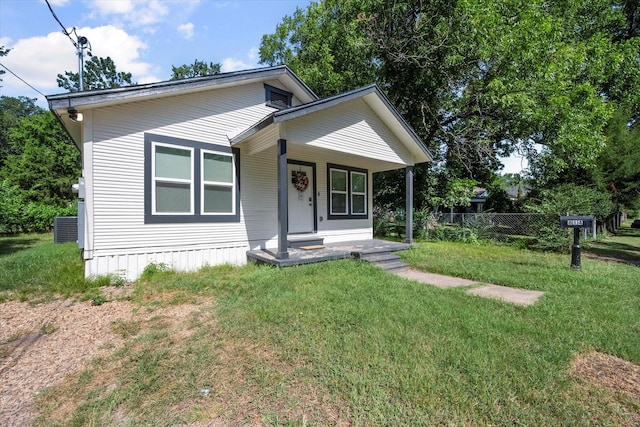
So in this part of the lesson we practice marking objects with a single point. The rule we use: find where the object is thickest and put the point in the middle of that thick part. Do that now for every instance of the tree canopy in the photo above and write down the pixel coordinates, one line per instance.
(477, 79)
(99, 73)
(197, 69)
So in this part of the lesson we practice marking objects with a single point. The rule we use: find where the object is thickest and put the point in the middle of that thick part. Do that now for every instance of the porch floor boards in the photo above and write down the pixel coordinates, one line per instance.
(331, 251)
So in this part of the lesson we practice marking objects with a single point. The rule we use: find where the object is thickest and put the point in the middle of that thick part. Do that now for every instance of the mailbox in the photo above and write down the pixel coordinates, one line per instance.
(576, 221)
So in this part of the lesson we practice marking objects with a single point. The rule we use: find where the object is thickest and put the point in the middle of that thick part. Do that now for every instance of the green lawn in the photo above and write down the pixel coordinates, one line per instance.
(344, 343)
(623, 246)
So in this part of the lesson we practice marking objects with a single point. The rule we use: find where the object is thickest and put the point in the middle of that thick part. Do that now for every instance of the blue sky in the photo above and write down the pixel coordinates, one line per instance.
(142, 37)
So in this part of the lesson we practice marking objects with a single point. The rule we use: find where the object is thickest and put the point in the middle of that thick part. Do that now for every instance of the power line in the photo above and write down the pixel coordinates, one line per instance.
(64, 30)
(21, 79)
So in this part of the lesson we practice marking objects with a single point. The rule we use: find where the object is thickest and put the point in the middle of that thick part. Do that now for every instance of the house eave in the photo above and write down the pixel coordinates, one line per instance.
(105, 97)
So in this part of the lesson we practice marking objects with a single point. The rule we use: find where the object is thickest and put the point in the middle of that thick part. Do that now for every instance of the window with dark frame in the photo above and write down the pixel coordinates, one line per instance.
(190, 181)
(347, 192)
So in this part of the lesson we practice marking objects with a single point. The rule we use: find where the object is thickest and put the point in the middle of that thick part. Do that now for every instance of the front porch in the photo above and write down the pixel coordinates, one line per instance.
(375, 251)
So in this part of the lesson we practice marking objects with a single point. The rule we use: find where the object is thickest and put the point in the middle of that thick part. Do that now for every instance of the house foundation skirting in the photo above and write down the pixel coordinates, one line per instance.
(130, 266)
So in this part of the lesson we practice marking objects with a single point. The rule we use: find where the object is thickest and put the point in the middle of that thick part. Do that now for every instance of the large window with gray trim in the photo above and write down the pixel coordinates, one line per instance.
(347, 190)
(190, 181)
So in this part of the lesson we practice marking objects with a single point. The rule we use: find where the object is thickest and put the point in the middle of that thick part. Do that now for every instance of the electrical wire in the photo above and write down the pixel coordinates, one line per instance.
(64, 30)
(21, 79)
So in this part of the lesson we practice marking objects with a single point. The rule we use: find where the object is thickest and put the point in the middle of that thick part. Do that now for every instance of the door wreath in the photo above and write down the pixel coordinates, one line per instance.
(299, 180)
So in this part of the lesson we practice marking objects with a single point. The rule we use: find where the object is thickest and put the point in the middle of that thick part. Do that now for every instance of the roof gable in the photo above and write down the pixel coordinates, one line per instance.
(374, 99)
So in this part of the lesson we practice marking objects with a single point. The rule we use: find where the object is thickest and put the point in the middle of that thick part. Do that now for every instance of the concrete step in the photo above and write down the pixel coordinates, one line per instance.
(392, 265)
(379, 257)
(297, 241)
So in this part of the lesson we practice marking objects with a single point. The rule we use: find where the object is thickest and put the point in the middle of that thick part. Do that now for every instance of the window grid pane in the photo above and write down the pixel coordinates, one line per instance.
(339, 203)
(338, 180)
(173, 197)
(217, 168)
(218, 199)
(358, 182)
(172, 163)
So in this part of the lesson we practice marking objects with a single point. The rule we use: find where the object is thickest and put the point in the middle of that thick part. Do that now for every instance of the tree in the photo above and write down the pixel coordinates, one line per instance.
(3, 52)
(12, 111)
(476, 79)
(619, 170)
(99, 73)
(44, 162)
(324, 46)
(197, 69)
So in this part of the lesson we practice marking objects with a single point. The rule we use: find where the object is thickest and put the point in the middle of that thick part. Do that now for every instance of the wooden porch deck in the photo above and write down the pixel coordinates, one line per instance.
(330, 251)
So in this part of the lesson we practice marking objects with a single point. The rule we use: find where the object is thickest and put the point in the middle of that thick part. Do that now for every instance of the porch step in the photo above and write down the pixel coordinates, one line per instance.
(304, 240)
(386, 260)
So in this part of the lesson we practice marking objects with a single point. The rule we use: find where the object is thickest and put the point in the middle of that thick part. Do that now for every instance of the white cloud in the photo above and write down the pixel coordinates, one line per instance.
(135, 13)
(253, 53)
(39, 60)
(232, 64)
(186, 30)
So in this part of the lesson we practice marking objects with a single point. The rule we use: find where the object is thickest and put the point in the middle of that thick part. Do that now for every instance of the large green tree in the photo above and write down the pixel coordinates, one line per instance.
(44, 162)
(197, 69)
(12, 111)
(99, 73)
(477, 79)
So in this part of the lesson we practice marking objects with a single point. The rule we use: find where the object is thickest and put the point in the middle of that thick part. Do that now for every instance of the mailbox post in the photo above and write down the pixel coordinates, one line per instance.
(576, 222)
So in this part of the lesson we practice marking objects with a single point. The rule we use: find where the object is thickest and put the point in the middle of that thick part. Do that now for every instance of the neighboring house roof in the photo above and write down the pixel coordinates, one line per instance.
(372, 95)
(61, 103)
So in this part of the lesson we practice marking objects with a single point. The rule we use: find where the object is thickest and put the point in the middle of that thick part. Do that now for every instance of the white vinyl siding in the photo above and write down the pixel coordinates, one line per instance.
(172, 180)
(351, 128)
(218, 183)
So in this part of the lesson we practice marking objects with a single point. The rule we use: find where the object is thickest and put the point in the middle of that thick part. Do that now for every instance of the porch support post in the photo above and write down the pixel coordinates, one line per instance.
(283, 202)
(409, 207)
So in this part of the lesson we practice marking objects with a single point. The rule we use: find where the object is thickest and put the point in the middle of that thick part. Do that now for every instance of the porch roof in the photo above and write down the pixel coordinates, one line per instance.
(310, 119)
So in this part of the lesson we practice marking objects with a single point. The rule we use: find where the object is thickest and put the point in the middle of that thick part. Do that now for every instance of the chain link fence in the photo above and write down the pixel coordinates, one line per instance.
(507, 226)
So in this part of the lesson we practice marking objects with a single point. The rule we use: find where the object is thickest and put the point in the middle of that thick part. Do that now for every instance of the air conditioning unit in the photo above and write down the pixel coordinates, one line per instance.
(65, 229)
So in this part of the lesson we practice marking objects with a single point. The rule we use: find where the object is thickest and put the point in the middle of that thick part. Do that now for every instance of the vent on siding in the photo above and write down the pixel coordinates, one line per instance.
(277, 98)
(65, 229)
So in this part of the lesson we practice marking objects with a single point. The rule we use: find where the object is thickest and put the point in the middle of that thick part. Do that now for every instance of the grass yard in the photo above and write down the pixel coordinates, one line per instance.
(344, 343)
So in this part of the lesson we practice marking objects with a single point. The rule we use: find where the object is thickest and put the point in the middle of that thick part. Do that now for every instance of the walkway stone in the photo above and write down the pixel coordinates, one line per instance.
(438, 280)
(504, 293)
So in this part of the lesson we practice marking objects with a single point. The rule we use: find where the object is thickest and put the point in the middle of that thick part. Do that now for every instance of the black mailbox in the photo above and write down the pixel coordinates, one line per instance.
(576, 221)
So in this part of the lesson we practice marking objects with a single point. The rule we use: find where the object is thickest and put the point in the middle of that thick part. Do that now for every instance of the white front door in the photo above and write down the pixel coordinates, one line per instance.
(301, 198)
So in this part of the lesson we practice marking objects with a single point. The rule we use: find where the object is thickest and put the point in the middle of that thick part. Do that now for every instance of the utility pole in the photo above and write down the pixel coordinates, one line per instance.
(81, 45)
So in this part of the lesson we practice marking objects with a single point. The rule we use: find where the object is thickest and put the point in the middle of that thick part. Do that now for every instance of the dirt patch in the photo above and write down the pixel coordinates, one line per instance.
(40, 344)
(608, 371)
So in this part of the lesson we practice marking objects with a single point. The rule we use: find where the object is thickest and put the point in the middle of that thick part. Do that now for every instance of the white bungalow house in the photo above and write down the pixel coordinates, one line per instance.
(200, 171)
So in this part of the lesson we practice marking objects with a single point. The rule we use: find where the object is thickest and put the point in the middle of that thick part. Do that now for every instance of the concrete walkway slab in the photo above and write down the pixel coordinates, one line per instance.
(438, 280)
(512, 295)
(504, 293)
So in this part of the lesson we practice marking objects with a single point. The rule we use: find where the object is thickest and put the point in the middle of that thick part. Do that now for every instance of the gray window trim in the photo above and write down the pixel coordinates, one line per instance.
(348, 170)
(270, 90)
(197, 146)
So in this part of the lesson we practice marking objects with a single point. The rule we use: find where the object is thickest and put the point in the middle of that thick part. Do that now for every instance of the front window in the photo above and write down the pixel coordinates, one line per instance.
(190, 181)
(347, 188)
